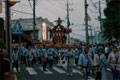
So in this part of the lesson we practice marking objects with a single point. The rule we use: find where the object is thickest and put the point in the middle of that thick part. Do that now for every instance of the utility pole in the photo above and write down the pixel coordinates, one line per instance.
(8, 4)
(101, 24)
(34, 22)
(91, 34)
(100, 15)
(68, 19)
(86, 22)
(8, 28)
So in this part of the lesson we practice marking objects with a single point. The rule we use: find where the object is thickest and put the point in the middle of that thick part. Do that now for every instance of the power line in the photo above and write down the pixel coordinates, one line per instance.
(20, 11)
(30, 4)
(77, 34)
(94, 4)
(51, 2)
(62, 8)
(93, 11)
(57, 4)
(48, 10)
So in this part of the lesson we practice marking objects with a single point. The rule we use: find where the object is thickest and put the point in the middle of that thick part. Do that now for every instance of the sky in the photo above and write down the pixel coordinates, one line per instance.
(52, 9)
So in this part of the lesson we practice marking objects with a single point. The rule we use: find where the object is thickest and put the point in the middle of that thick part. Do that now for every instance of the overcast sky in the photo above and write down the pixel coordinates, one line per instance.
(52, 9)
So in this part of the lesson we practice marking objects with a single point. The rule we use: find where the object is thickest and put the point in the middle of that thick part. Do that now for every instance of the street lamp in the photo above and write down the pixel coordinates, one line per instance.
(14, 13)
(12, 3)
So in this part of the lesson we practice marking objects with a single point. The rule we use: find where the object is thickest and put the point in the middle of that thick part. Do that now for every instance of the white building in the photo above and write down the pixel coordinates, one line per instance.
(74, 41)
(40, 29)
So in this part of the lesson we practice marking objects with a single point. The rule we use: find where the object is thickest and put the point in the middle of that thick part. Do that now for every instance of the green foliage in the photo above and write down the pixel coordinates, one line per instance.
(2, 44)
(1, 22)
(111, 23)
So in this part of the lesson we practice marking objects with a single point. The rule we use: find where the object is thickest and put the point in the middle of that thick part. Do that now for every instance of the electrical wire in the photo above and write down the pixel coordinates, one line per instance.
(48, 6)
(30, 4)
(94, 4)
(21, 11)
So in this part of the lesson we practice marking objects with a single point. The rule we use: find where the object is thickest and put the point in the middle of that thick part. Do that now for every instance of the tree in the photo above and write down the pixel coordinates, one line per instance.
(111, 24)
(2, 22)
(2, 44)
(1, 27)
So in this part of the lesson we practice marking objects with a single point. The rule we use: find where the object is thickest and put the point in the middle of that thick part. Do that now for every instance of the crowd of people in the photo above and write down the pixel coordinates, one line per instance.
(92, 59)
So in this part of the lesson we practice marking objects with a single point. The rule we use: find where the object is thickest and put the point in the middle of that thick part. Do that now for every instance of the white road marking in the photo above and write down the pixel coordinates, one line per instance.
(15, 77)
(74, 70)
(108, 69)
(77, 71)
(31, 71)
(14, 70)
(64, 67)
(78, 67)
(90, 78)
(58, 70)
(45, 72)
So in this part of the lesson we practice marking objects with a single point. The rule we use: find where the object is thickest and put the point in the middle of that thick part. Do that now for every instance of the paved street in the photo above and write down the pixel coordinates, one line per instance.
(57, 73)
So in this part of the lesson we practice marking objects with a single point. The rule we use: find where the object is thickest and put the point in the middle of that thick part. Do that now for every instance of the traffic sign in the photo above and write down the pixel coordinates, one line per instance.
(17, 29)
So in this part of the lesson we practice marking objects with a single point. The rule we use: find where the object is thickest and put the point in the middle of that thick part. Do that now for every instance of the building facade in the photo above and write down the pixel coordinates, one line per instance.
(40, 29)
(74, 41)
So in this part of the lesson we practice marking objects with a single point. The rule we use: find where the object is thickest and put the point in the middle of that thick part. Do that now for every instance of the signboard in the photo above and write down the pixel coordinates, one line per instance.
(17, 29)
(0, 6)
(44, 31)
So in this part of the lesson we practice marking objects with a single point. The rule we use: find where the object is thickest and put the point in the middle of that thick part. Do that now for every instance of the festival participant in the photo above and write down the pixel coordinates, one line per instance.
(55, 52)
(70, 58)
(58, 53)
(106, 50)
(39, 54)
(15, 58)
(29, 55)
(76, 53)
(34, 50)
(22, 51)
(114, 62)
(96, 65)
(85, 62)
(44, 57)
(50, 56)
(96, 48)
(103, 65)
(91, 53)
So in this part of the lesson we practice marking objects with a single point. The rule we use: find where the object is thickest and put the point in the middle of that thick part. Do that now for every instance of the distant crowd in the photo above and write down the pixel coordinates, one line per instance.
(92, 59)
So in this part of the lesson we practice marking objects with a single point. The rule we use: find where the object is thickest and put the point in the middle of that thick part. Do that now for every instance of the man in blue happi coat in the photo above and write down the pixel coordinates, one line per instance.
(85, 62)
